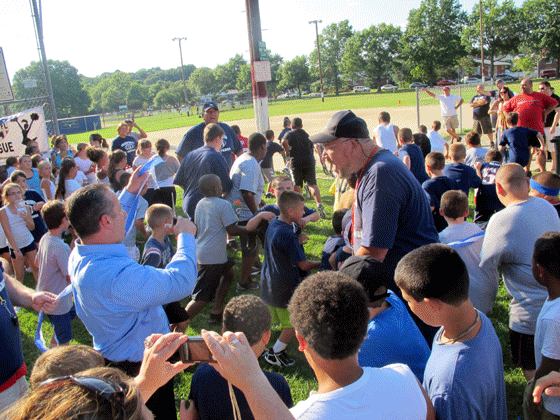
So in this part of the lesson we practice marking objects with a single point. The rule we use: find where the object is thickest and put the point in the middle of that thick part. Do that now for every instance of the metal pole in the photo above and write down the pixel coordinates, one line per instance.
(182, 67)
(319, 56)
(417, 107)
(39, 30)
(481, 43)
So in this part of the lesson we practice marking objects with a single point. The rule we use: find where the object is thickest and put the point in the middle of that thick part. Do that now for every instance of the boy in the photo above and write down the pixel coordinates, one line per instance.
(267, 167)
(283, 257)
(475, 153)
(486, 199)
(546, 185)
(464, 176)
(437, 185)
(464, 375)
(411, 155)
(52, 262)
(466, 238)
(546, 270)
(333, 243)
(437, 142)
(209, 396)
(519, 140)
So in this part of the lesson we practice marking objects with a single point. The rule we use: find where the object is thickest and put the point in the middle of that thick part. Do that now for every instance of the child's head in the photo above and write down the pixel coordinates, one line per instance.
(257, 145)
(337, 221)
(96, 140)
(81, 147)
(436, 125)
(97, 156)
(60, 142)
(435, 161)
(3, 173)
(45, 169)
(159, 215)
(64, 361)
(546, 264)
(25, 162)
(54, 214)
(473, 139)
(124, 178)
(11, 193)
(454, 204)
(457, 152)
(145, 146)
(250, 315)
(210, 185)
(329, 311)
(18, 177)
(545, 185)
(212, 132)
(291, 205)
(236, 129)
(286, 122)
(162, 147)
(405, 135)
(384, 117)
(12, 161)
(282, 183)
(512, 118)
(269, 134)
(35, 160)
(367, 271)
(493, 155)
(423, 142)
(423, 129)
(31, 149)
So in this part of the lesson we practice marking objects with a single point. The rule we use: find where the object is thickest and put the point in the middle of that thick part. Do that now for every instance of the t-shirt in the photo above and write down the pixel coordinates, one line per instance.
(390, 392)
(271, 148)
(212, 216)
(416, 161)
(31, 198)
(435, 187)
(447, 104)
(52, 257)
(71, 185)
(300, 147)
(244, 143)
(530, 109)
(135, 134)
(547, 344)
(157, 254)
(475, 154)
(210, 394)
(519, 139)
(283, 133)
(128, 145)
(464, 176)
(466, 380)
(393, 337)
(84, 165)
(436, 141)
(550, 116)
(331, 245)
(486, 196)
(245, 175)
(479, 112)
(279, 273)
(385, 137)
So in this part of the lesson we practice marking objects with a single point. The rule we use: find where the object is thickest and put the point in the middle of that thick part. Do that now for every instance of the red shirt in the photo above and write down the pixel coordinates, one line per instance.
(530, 109)
(244, 143)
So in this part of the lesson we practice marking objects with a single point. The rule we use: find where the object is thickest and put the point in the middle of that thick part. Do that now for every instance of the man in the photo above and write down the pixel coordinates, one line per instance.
(203, 161)
(194, 139)
(385, 134)
(245, 196)
(12, 375)
(480, 103)
(449, 105)
(509, 240)
(118, 300)
(551, 120)
(140, 134)
(299, 149)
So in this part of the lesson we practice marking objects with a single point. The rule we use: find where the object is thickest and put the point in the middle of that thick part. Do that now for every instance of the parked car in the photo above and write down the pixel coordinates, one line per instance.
(417, 85)
(548, 73)
(361, 89)
(312, 94)
(472, 80)
(446, 82)
(389, 87)
(282, 96)
(506, 77)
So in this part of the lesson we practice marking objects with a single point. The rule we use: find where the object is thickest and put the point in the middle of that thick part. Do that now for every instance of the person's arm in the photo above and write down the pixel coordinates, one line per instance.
(254, 222)
(332, 261)
(541, 140)
(249, 198)
(378, 254)
(555, 122)
(307, 265)
(21, 295)
(494, 108)
(313, 217)
(286, 147)
(547, 365)
(459, 104)
(433, 95)
(283, 154)
(406, 161)
(479, 102)
(549, 384)
(236, 230)
(143, 134)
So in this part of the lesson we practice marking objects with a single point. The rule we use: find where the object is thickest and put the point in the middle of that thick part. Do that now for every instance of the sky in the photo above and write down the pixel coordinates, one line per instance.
(118, 34)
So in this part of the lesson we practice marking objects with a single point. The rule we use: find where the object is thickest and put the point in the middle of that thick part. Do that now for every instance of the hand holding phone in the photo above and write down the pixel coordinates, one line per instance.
(195, 350)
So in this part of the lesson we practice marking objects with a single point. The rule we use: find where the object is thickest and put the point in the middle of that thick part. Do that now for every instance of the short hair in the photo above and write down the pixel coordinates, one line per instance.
(256, 141)
(329, 310)
(548, 179)
(454, 204)
(512, 118)
(436, 125)
(545, 253)
(81, 146)
(423, 129)
(128, 122)
(423, 142)
(17, 174)
(493, 155)
(157, 214)
(53, 212)
(512, 177)
(124, 178)
(281, 178)
(85, 207)
(249, 315)
(473, 138)
(337, 220)
(30, 149)
(207, 183)
(64, 361)
(121, 124)
(36, 159)
(212, 132)
(162, 146)
(297, 122)
(286, 122)
(236, 129)
(145, 144)
(457, 151)
(7, 188)
(545, 83)
(269, 134)
(405, 134)
(435, 160)
(434, 271)
(11, 161)
(384, 116)
(289, 200)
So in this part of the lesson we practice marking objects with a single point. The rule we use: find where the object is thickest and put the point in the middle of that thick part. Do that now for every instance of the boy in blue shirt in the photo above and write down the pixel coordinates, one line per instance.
(464, 176)
(333, 243)
(520, 140)
(437, 185)
(486, 201)
(411, 155)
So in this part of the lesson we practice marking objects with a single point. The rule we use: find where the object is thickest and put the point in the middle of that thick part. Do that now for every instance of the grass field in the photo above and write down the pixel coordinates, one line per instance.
(300, 376)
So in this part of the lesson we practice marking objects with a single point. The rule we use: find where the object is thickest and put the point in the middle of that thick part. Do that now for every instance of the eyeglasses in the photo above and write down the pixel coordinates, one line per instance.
(336, 145)
(105, 388)
(542, 88)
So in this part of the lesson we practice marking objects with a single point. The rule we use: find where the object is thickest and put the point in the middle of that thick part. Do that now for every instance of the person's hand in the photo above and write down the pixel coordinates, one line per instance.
(478, 165)
(44, 301)
(303, 238)
(549, 384)
(136, 182)
(18, 254)
(184, 226)
(38, 206)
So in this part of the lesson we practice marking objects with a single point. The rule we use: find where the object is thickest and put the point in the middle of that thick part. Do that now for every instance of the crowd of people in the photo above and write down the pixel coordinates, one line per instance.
(394, 323)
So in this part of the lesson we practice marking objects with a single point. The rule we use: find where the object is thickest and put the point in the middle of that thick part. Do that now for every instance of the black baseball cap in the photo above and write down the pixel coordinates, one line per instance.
(209, 105)
(342, 124)
(368, 272)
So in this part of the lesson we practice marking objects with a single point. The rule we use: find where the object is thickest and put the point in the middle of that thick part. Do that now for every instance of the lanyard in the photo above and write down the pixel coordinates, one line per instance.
(356, 192)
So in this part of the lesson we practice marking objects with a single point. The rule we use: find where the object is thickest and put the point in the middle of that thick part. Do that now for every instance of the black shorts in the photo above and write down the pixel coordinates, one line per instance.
(248, 242)
(209, 276)
(301, 174)
(522, 350)
(24, 250)
(175, 313)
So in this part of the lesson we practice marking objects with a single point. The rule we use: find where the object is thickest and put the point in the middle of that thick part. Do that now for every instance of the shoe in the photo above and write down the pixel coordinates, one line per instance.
(215, 319)
(321, 211)
(325, 170)
(255, 271)
(307, 191)
(287, 171)
(252, 285)
(277, 359)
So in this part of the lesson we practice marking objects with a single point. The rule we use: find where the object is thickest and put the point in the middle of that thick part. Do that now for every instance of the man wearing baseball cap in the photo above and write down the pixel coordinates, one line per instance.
(193, 139)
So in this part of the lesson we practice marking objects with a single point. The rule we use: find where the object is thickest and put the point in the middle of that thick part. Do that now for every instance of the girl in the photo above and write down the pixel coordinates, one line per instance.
(96, 140)
(47, 185)
(84, 164)
(101, 160)
(165, 173)
(17, 223)
(33, 179)
(32, 199)
(117, 164)
(66, 184)
(60, 151)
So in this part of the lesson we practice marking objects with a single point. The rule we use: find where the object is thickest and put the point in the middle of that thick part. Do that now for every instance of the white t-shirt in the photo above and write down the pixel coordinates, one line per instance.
(71, 186)
(447, 104)
(391, 392)
(245, 175)
(385, 137)
(135, 134)
(84, 165)
(436, 141)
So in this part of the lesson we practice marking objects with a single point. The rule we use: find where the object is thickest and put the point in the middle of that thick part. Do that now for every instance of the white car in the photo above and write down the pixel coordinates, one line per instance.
(389, 87)
(361, 89)
(472, 80)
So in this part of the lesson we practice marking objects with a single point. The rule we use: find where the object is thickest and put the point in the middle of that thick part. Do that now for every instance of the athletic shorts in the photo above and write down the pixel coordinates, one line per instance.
(451, 122)
(522, 350)
(29, 248)
(208, 280)
(248, 242)
(550, 145)
(175, 312)
(483, 126)
(62, 325)
(280, 316)
(301, 174)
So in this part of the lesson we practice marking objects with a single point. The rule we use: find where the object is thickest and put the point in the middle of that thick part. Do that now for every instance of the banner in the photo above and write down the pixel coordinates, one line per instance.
(17, 130)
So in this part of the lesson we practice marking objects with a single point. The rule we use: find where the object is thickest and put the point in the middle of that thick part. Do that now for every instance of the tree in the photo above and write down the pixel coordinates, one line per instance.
(70, 96)
(226, 74)
(244, 81)
(332, 42)
(541, 20)
(372, 52)
(431, 45)
(526, 63)
(295, 74)
(202, 80)
(137, 95)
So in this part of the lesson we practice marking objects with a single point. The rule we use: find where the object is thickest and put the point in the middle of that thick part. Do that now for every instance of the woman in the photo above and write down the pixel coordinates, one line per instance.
(503, 96)
(165, 173)
(66, 184)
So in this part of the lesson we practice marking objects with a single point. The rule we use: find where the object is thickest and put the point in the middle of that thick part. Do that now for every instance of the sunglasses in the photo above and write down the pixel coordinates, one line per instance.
(105, 388)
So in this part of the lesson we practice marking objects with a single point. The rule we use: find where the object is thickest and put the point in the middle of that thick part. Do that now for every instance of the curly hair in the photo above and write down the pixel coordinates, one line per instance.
(249, 315)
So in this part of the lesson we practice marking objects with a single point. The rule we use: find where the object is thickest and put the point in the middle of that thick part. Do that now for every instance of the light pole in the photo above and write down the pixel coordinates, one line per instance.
(316, 22)
(182, 67)
(481, 43)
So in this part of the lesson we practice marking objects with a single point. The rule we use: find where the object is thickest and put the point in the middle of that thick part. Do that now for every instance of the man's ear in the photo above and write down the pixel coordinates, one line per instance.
(435, 304)
(266, 337)
(302, 344)
(106, 221)
(441, 212)
(500, 189)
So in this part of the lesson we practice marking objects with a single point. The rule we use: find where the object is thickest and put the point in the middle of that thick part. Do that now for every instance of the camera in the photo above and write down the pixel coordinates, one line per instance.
(195, 350)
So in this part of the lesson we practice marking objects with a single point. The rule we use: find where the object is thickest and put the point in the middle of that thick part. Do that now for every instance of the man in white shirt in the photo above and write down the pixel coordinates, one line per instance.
(449, 105)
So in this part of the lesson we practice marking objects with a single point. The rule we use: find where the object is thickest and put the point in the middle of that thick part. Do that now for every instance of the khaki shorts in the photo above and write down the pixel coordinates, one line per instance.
(483, 126)
(451, 122)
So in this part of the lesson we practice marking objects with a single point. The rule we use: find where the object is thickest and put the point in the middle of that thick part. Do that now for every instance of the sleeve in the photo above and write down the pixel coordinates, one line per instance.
(307, 211)
(293, 249)
(276, 148)
(504, 141)
(551, 343)
(152, 257)
(185, 145)
(431, 196)
(114, 145)
(228, 216)
(180, 176)
(475, 180)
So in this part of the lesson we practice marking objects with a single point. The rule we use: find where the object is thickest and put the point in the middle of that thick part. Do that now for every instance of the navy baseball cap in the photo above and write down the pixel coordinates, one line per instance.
(209, 105)
(342, 124)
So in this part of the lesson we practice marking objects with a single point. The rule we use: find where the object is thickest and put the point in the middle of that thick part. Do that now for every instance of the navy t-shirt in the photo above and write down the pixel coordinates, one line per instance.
(551, 115)
(332, 244)
(283, 133)
(301, 148)
(30, 199)
(436, 187)
(486, 196)
(194, 138)
(480, 112)
(417, 166)
(464, 176)
(210, 394)
(271, 148)
(519, 139)
(127, 144)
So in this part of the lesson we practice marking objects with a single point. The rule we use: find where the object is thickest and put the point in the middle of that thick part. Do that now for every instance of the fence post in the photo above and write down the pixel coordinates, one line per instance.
(460, 111)
(417, 107)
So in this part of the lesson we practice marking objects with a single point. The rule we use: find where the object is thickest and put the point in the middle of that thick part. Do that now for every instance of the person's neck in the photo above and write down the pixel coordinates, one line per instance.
(510, 199)
(159, 234)
(363, 158)
(552, 200)
(453, 222)
(458, 161)
(458, 320)
(435, 173)
(373, 312)
(57, 233)
(146, 155)
(335, 374)
(285, 219)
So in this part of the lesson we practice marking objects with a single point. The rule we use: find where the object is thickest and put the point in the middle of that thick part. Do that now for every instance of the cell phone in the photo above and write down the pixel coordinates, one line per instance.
(195, 350)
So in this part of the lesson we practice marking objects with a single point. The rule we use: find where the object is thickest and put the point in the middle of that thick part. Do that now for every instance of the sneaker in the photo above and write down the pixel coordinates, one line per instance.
(232, 244)
(255, 271)
(252, 285)
(277, 359)
(307, 191)
(325, 170)
(321, 211)
(287, 171)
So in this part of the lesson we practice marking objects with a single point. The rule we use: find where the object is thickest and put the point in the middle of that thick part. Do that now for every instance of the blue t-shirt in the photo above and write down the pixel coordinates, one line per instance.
(480, 112)
(466, 380)
(283, 133)
(393, 337)
(519, 139)
(194, 138)
(331, 245)
(464, 176)
(435, 187)
(486, 196)
(127, 144)
(157, 254)
(34, 183)
(271, 148)
(416, 161)
(280, 273)
(202, 161)
(210, 394)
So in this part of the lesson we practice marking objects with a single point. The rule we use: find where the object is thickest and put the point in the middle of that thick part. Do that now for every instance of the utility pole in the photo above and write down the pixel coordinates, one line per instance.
(481, 42)
(316, 22)
(182, 68)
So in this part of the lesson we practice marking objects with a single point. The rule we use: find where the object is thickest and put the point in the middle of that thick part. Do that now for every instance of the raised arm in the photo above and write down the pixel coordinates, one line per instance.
(433, 95)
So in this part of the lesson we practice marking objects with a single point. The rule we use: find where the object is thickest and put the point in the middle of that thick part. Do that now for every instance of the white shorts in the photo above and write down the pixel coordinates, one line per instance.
(551, 146)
